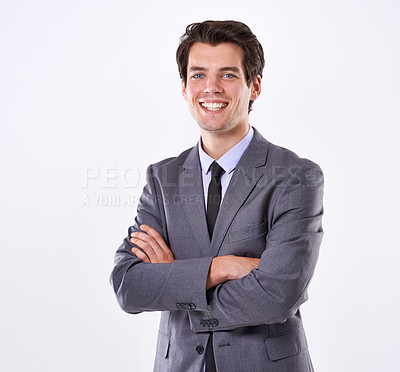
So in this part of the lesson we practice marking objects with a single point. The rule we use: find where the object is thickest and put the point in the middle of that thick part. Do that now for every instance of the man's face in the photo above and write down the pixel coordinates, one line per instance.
(216, 89)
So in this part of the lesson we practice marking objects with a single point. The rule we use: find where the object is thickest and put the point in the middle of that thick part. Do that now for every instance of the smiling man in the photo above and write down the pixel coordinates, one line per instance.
(227, 234)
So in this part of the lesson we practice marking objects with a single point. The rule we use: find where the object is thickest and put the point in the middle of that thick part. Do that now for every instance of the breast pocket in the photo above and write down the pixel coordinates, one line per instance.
(247, 233)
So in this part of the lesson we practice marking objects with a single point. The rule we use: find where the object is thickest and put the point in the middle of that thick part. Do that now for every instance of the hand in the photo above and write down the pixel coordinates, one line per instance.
(152, 243)
(224, 268)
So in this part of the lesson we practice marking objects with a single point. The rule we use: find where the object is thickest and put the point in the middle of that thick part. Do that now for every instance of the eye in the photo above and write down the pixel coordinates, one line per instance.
(229, 76)
(197, 76)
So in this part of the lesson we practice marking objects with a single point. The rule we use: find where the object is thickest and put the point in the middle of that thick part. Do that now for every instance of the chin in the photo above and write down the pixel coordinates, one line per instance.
(213, 127)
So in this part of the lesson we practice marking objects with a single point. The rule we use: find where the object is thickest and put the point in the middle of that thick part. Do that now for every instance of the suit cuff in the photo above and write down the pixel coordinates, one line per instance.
(189, 280)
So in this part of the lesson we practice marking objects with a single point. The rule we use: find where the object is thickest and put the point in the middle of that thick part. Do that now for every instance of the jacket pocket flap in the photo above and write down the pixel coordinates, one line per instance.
(248, 233)
(286, 344)
(162, 344)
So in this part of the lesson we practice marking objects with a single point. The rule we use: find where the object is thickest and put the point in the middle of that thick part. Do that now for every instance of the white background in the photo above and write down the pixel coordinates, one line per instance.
(91, 88)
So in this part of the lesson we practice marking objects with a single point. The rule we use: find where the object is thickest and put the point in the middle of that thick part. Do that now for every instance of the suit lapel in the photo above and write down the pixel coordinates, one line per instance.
(245, 178)
(192, 199)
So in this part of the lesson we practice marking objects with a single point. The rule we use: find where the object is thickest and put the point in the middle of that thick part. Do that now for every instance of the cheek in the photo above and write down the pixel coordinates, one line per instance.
(188, 93)
(193, 90)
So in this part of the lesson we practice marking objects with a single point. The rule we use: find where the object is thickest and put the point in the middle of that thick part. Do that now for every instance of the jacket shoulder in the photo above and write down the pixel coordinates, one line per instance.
(174, 160)
(283, 157)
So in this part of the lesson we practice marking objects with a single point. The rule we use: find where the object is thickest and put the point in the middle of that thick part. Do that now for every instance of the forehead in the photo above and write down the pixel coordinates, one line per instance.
(221, 55)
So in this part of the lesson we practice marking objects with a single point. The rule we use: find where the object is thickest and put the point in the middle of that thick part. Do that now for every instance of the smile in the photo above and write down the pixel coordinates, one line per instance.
(213, 106)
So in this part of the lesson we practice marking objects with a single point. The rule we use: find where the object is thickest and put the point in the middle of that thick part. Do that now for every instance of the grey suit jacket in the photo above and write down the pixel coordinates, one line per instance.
(272, 210)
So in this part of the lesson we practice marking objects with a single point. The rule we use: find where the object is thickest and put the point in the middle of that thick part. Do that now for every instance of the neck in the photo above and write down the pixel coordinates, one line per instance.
(217, 144)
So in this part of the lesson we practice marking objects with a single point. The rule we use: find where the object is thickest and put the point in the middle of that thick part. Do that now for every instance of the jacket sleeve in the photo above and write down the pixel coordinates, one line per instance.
(273, 292)
(141, 286)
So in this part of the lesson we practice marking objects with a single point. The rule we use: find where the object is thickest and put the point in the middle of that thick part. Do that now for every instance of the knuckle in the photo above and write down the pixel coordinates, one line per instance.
(140, 235)
(144, 236)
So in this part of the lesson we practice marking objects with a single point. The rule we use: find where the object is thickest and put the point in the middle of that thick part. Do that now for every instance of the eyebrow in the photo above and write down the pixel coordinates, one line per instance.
(230, 68)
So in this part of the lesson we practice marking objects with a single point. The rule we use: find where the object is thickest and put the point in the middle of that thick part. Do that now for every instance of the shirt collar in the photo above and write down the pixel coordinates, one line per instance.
(229, 160)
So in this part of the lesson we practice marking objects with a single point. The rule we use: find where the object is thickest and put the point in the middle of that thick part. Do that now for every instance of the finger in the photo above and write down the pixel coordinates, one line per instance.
(155, 235)
(146, 242)
(152, 242)
(137, 252)
(146, 247)
(149, 239)
(163, 252)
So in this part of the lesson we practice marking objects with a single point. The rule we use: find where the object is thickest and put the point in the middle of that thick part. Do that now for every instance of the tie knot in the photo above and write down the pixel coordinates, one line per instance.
(216, 170)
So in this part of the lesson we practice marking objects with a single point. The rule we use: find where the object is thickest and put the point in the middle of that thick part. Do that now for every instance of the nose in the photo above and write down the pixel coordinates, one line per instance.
(212, 85)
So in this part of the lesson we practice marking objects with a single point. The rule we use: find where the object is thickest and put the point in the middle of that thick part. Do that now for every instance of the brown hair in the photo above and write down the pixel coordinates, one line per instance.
(217, 32)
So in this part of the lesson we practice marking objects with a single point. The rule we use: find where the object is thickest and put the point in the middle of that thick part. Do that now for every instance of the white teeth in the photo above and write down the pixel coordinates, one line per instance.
(213, 106)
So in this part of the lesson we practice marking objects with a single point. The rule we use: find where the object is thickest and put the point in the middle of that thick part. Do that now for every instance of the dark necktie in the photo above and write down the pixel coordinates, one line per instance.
(213, 202)
(214, 196)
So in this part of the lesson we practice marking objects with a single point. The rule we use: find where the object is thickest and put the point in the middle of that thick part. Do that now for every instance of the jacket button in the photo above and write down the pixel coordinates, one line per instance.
(200, 349)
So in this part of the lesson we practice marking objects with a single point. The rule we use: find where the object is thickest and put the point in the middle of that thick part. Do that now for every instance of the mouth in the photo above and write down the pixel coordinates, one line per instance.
(213, 106)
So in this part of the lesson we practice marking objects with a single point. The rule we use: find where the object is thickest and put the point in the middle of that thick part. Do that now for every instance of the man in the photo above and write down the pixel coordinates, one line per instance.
(227, 234)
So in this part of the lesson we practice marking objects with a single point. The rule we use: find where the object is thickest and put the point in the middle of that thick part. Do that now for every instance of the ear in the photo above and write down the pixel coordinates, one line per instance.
(256, 88)
(184, 91)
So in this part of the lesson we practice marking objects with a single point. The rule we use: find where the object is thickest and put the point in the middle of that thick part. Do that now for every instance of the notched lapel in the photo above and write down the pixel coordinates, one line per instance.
(244, 180)
(235, 196)
(192, 199)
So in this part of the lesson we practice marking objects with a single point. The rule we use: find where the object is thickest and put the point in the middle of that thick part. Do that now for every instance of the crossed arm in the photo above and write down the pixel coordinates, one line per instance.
(270, 294)
(153, 249)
